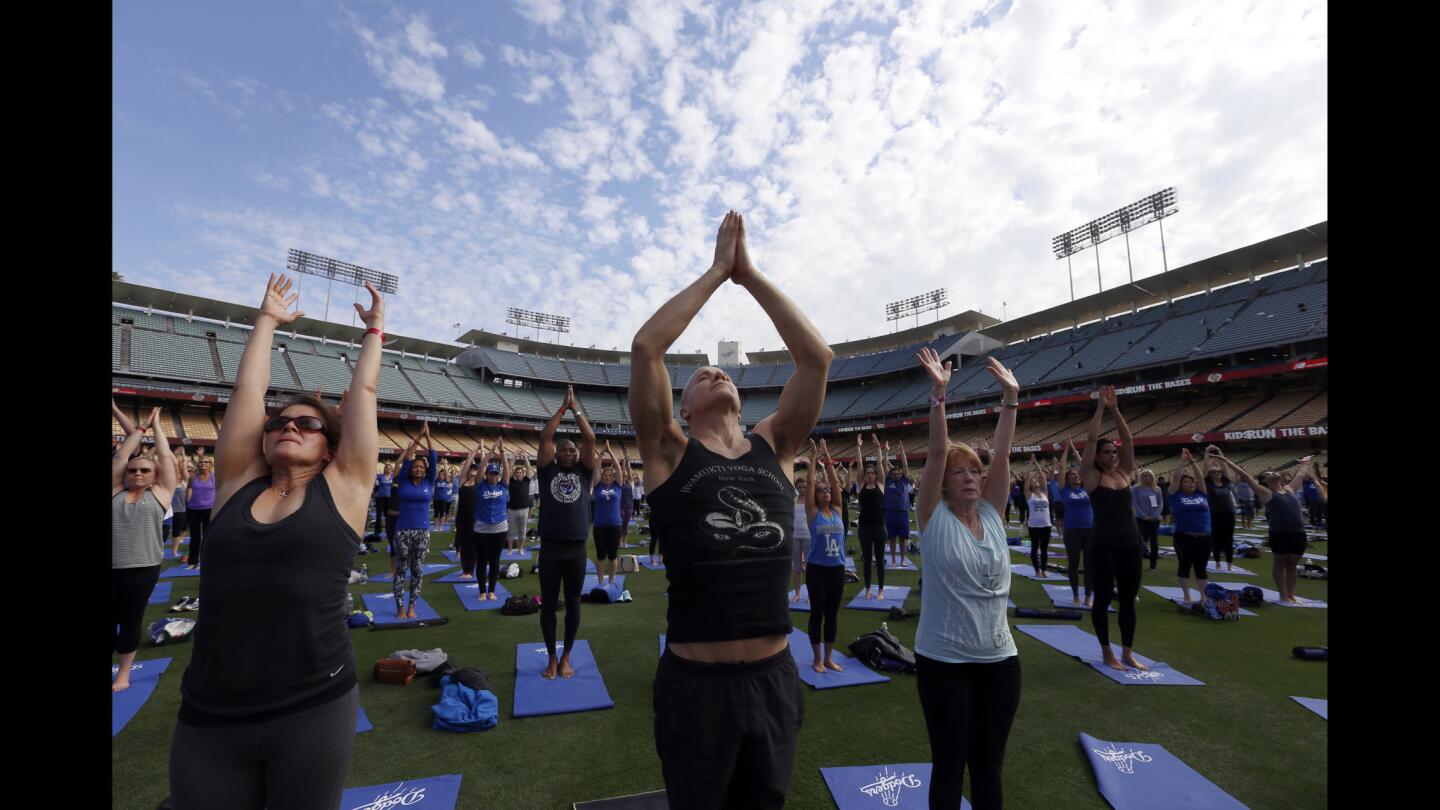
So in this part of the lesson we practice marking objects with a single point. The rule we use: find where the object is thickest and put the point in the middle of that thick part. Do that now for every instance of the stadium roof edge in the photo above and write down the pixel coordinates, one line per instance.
(490, 340)
(1266, 256)
(957, 325)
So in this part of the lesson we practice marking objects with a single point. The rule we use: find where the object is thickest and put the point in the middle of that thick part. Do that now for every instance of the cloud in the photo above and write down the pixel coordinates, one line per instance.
(544, 12)
(422, 40)
(470, 55)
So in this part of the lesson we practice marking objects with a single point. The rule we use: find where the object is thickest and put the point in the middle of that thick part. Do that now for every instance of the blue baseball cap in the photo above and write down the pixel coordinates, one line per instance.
(492, 467)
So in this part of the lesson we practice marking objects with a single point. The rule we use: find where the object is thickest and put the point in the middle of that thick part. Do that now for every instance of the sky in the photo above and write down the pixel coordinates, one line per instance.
(577, 158)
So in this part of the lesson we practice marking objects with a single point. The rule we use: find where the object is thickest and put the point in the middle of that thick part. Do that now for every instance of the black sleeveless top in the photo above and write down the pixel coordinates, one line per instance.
(872, 506)
(1114, 517)
(728, 526)
(271, 639)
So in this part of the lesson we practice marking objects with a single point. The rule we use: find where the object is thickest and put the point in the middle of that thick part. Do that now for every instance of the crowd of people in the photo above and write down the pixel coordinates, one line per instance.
(739, 531)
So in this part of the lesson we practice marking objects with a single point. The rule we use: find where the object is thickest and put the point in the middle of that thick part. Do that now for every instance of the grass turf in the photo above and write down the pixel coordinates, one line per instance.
(1241, 730)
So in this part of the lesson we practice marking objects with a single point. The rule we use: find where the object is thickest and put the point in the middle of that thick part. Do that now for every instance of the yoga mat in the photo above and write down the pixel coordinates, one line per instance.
(362, 723)
(863, 787)
(161, 594)
(426, 569)
(1076, 643)
(469, 594)
(1050, 551)
(853, 672)
(1145, 775)
(906, 565)
(1028, 572)
(894, 597)
(434, 793)
(1307, 555)
(1217, 570)
(589, 566)
(804, 603)
(593, 582)
(180, 556)
(645, 563)
(654, 800)
(1273, 597)
(180, 571)
(451, 554)
(515, 556)
(383, 606)
(1176, 595)
(535, 695)
(144, 675)
(1060, 596)
(1320, 706)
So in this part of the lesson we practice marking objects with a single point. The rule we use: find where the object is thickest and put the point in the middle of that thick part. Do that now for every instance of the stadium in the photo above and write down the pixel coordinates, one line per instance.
(1230, 350)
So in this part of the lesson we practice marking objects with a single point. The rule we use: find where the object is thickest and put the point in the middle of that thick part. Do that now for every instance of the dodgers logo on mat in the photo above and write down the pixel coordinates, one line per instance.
(1151, 675)
(744, 517)
(888, 786)
(1121, 758)
(399, 797)
(565, 487)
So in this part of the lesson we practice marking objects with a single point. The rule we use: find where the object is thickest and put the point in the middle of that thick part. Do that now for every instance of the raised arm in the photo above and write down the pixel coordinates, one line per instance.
(928, 493)
(1127, 444)
(1196, 471)
(1262, 493)
(1061, 475)
(359, 447)
(997, 483)
(833, 476)
(409, 453)
(804, 395)
(652, 401)
(238, 458)
(165, 461)
(1179, 470)
(125, 424)
(121, 459)
(904, 462)
(546, 453)
(1089, 473)
(587, 434)
(504, 459)
(881, 458)
(814, 473)
(1298, 482)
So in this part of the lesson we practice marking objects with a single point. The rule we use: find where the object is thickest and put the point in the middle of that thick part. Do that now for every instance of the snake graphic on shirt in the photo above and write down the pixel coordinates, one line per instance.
(744, 516)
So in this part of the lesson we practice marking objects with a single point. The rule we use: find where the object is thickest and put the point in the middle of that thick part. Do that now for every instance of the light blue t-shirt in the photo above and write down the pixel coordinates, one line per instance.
(827, 540)
(962, 612)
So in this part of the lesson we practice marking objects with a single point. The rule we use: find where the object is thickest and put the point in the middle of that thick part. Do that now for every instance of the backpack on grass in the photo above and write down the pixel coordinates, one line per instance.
(521, 605)
(881, 650)
(1222, 604)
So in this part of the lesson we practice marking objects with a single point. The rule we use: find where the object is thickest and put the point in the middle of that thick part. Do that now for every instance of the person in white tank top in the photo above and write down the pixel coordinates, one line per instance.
(802, 539)
(1037, 501)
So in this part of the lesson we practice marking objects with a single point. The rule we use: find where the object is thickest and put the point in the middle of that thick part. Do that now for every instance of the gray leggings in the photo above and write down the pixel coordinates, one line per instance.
(1077, 553)
(296, 762)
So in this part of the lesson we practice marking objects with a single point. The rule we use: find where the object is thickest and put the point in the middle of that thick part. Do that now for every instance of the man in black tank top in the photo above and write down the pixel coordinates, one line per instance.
(726, 690)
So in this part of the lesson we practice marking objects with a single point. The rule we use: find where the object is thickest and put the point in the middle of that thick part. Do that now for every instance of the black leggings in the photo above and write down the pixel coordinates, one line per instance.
(294, 762)
(1115, 565)
(382, 507)
(1193, 550)
(1222, 535)
(468, 543)
(872, 545)
(826, 584)
(488, 548)
(199, 521)
(1039, 546)
(561, 560)
(1149, 533)
(968, 709)
(1077, 554)
(654, 540)
(130, 590)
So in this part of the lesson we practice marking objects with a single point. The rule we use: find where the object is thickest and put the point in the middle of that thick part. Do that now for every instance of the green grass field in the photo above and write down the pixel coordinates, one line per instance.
(1241, 730)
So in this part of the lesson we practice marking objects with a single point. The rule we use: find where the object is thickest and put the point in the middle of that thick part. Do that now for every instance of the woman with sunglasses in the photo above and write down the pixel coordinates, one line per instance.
(140, 489)
(269, 700)
(200, 497)
(412, 531)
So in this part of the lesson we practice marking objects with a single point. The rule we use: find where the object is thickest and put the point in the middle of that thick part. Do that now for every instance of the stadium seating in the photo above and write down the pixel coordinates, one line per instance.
(1271, 319)
(1269, 412)
(165, 355)
(197, 424)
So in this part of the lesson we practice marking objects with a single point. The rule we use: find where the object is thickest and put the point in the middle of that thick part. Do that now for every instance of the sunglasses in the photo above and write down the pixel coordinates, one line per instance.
(141, 470)
(301, 422)
(822, 489)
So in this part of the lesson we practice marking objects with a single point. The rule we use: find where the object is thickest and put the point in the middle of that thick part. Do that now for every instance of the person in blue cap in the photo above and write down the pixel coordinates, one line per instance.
(491, 515)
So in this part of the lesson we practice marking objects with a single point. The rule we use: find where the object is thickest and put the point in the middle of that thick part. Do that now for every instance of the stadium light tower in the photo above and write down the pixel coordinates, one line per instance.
(935, 299)
(299, 261)
(538, 320)
(1143, 211)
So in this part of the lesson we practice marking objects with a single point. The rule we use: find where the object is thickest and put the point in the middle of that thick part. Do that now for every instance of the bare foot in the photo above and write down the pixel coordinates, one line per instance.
(410, 614)
(566, 670)
(121, 683)
(1079, 603)
(1090, 601)
(399, 611)
(1112, 662)
(1039, 572)
(1129, 659)
(795, 598)
(829, 664)
(550, 669)
(880, 595)
(818, 666)
(866, 597)
(467, 576)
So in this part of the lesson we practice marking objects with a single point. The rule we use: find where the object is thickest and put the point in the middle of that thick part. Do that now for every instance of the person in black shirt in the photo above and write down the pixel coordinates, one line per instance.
(269, 699)
(727, 696)
(565, 473)
(519, 517)
(872, 521)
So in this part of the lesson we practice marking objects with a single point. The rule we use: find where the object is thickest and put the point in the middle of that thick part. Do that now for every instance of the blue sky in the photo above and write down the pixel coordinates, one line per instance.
(576, 158)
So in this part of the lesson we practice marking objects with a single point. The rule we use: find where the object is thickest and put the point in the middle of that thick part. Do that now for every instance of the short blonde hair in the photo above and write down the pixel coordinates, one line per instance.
(957, 454)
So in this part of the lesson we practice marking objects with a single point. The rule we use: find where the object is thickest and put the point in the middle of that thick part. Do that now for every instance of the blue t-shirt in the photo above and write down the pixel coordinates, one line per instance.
(897, 494)
(827, 543)
(1078, 514)
(382, 485)
(1053, 487)
(415, 498)
(1192, 512)
(1312, 492)
(491, 502)
(607, 505)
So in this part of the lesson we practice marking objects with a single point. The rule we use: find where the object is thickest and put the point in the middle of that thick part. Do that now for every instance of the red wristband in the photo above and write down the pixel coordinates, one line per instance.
(373, 331)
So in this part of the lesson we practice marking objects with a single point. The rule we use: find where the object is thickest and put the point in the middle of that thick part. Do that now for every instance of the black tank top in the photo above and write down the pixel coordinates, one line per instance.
(872, 506)
(465, 504)
(1114, 517)
(728, 526)
(271, 639)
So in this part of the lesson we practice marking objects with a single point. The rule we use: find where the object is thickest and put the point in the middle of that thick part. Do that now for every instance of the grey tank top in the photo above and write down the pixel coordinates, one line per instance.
(135, 531)
(1283, 512)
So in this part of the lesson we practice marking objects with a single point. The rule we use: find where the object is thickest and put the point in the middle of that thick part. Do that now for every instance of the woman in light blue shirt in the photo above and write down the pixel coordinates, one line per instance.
(967, 668)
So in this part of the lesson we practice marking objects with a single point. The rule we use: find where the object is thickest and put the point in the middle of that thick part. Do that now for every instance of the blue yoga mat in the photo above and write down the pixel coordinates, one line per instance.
(435, 793)
(161, 594)
(144, 675)
(593, 582)
(894, 597)
(383, 606)
(1061, 597)
(1320, 706)
(853, 672)
(470, 596)
(451, 554)
(1176, 595)
(180, 571)
(862, 787)
(1050, 552)
(454, 576)
(362, 722)
(169, 556)
(1144, 775)
(1028, 572)
(1273, 597)
(1218, 570)
(426, 569)
(589, 566)
(804, 603)
(1076, 643)
(515, 556)
(905, 565)
(645, 563)
(534, 695)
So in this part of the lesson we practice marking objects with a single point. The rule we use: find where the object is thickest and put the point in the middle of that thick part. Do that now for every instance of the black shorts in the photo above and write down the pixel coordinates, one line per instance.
(726, 733)
(1287, 542)
(607, 542)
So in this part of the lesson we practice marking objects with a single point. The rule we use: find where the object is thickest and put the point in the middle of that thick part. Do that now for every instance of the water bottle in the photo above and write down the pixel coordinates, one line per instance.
(364, 572)
(349, 603)
(884, 627)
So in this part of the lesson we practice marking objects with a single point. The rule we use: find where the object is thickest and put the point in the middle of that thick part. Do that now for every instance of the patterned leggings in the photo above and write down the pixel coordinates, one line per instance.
(411, 546)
